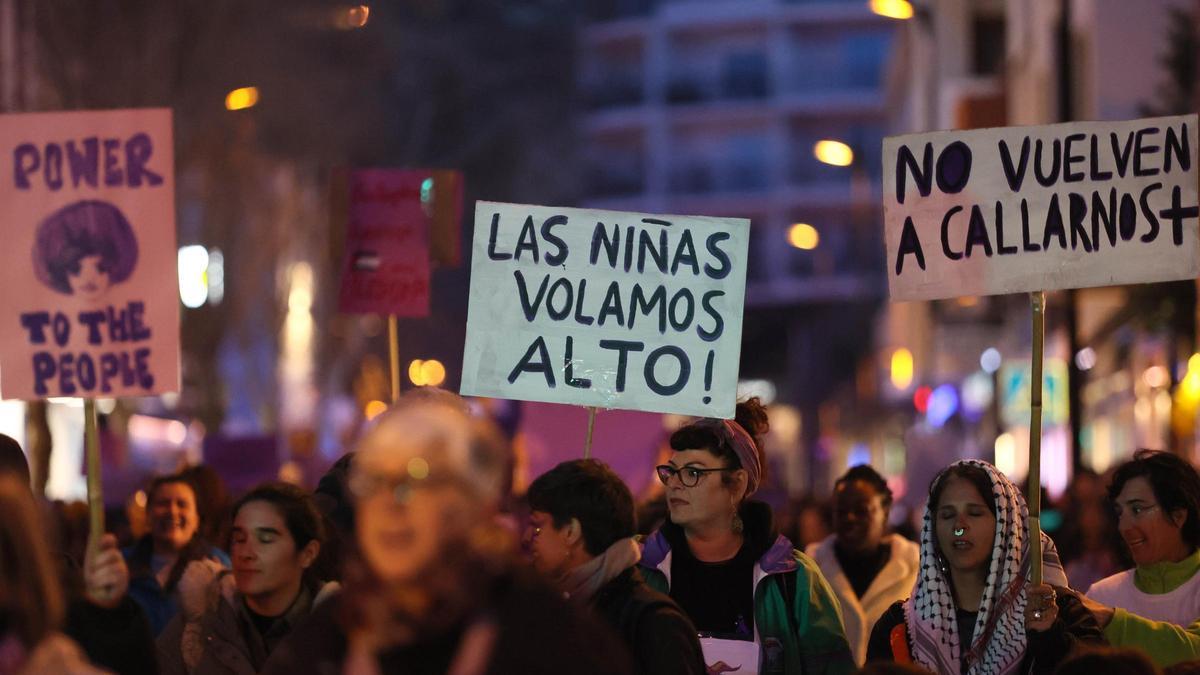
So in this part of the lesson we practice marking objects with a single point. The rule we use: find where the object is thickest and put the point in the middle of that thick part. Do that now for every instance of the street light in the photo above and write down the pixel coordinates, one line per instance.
(803, 236)
(833, 152)
(893, 9)
(241, 98)
(350, 18)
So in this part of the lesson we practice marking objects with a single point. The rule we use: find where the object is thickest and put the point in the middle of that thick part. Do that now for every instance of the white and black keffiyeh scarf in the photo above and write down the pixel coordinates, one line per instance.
(999, 642)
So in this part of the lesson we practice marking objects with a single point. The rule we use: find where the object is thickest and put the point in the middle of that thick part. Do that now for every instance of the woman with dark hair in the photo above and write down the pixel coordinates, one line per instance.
(1155, 605)
(868, 567)
(972, 609)
(157, 560)
(742, 584)
(232, 620)
(31, 600)
(84, 248)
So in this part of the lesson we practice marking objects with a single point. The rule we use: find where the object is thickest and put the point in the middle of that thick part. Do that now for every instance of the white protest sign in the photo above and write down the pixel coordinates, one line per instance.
(1041, 208)
(606, 309)
(87, 214)
(738, 656)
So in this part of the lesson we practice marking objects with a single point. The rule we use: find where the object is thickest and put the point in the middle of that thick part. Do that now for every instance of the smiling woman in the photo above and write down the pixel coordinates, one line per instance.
(231, 622)
(1155, 606)
(157, 561)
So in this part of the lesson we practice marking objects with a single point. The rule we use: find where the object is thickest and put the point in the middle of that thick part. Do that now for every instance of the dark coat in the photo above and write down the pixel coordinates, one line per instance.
(661, 638)
(1074, 627)
(537, 633)
(117, 639)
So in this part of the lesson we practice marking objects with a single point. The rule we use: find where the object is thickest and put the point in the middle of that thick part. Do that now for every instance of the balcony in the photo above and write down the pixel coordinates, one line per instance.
(613, 10)
(615, 92)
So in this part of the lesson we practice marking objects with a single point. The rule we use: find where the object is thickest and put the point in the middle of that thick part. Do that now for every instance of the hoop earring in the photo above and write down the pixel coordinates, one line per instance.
(738, 525)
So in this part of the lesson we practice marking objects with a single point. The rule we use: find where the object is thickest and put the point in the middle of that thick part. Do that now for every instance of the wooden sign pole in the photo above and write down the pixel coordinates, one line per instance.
(94, 484)
(587, 443)
(394, 356)
(1034, 498)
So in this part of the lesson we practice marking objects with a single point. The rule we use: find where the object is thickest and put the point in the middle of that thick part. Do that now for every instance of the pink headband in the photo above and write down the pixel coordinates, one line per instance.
(747, 453)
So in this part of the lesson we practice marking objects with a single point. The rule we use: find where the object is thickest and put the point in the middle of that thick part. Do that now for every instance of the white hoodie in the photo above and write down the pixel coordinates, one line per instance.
(893, 583)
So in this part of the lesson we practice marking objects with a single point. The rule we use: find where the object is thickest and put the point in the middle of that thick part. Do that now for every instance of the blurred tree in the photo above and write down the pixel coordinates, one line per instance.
(485, 86)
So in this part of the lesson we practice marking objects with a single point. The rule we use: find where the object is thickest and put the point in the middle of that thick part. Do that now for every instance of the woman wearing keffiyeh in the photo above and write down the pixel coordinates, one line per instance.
(973, 612)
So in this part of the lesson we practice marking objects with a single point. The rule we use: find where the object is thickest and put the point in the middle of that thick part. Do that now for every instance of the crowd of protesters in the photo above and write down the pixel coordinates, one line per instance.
(413, 556)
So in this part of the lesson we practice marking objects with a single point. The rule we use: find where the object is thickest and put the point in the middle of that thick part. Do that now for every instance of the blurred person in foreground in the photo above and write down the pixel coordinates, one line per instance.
(1156, 605)
(868, 567)
(31, 600)
(100, 616)
(744, 586)
(1088, 540)
(158, 559)
(232, 620)
(973, 610)
(581, 529)
(433, 585)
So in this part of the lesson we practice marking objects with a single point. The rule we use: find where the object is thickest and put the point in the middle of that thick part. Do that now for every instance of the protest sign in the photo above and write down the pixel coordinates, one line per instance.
(1040, 208)
(91, 298)
(606, 309)
(386, 263)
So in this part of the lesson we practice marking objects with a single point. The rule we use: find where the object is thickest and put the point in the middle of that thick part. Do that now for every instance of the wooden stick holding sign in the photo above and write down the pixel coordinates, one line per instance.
(973, 213)
(587, 444)
(1034, 500)
(95, 488)
(394, 356)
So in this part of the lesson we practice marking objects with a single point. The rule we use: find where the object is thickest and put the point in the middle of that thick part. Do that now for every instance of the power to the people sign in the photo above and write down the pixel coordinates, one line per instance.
(90, 306)
(1041, 208)
(606, 309)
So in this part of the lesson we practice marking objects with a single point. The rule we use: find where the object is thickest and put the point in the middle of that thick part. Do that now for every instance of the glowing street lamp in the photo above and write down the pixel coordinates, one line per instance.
(893, 9)
(803, 236)
(241, 98)
(902, 369)
(833, 152)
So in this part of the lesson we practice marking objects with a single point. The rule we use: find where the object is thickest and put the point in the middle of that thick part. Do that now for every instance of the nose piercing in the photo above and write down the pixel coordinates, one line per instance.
(960, 531)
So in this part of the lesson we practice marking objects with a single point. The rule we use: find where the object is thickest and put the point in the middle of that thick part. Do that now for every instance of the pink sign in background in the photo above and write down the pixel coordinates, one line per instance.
(386, 267)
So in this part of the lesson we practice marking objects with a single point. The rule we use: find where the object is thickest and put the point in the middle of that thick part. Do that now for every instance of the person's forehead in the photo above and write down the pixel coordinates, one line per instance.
(173, 491)
(960, 490)
(258, 514)
(1136, 489)
(857, 489)
(694, 456)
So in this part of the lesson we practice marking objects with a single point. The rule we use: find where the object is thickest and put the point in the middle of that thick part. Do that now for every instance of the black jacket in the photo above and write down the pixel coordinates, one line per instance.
(1074, 627)
(538, 634)
(118, 639)
(659, 635)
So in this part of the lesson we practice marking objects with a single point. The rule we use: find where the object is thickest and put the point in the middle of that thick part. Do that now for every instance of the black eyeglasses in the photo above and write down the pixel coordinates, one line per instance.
(689, 476)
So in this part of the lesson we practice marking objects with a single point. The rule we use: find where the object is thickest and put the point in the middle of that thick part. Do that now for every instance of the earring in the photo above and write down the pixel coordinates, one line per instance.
(738, 525)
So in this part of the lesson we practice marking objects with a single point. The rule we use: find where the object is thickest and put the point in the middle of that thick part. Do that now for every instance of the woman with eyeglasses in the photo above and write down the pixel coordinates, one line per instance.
(1155, 605)
(757, 602)
(432, 585)
(973, 610)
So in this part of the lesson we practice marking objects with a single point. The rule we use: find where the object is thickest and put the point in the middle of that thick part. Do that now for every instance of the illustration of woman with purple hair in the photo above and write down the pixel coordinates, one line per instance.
(84, 248)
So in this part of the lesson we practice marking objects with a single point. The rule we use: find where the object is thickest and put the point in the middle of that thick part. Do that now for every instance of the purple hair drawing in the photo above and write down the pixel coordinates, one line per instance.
(84, 248)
